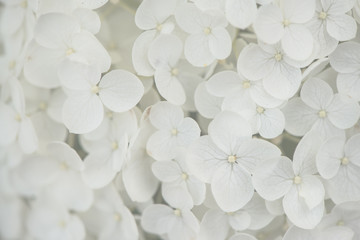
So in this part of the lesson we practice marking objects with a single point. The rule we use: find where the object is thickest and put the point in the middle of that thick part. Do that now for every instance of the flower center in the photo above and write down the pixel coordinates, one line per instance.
(177, 212)
(344, 161)
(117, 217)
(64, 166)
(286, 22)
(24, 4)
(232, 159)
(174, 131)
(62, 224)
(246, 84)
(297, 180)
(18, 117)
(260, 110)
(322, 113)
(42, 106)
(12, 65)
(174, 72)
(70, 51)
(207, 30)
(184, 176)
(159, 27)
(340, 223)
(95, 89)
(278, 57)
(114, 145)
(322, 15)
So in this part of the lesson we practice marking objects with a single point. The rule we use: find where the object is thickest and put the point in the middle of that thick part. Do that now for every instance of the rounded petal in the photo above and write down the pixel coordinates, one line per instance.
(352, 150)
(214, 225)
(346, 57)
(240, 220)
(316, 93)
(92, 4)
(157, 218)
(83, 113)
(242, 236)
(208, 105)
(240, 13)
(188, 132)
(341, 27)
(297, 42)
(272, 123)
(268, 25)
(312, 190)
(166, 171)
(197, 50)
(140, 53)
(27, 137)
(299, 117)
(273, 178)
(328, 157)
(343, 111)
(169, 87)
(162, 145)
(120, 90)
(227, 128)
(223, 83)
(165, 51)
(89, 20)
(349, 84)
(231, 187)
(299, 213)
(9, 125)
(188, 17)
(164, 115)
(298, 11)
(220, 43)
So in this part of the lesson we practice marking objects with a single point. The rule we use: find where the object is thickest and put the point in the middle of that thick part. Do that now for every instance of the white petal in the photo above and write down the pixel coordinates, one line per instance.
(89, 20)
(298, 12)
(54, 29)
(188, 132)
(231, 187)
(214, 225)
(254, 62)
(299, 213)
(242, 236)
(197, 190)
(165, 51)
(223, 83)
(305, 153)
(283, 82)
(177, 196)
(28, 139)
(346, 57)
(343, 111)
(149, 14)
(336, 7)
(260, 216)
(164, 115)
(155, 218)
(316, 93)
(120, 90)
(349, 84)
(140, 53)
(328, 157)
(297, 42)
(352, 151)
(240, 220)
(8, 124)
(272, 123)
(189, 18)
(162, 145)
(98, 171)
(197, 50)
(273, 178)
(220, 43)
(166, 171)
(41, 65)
(295, 233)
(240, 13)
(299, 117)
(92, 4)
(63, 153)
(345, 185)
(341, 27)
(253, 152)
(83, 113)
(268, 25)
(312, 190)
(227, 128)
(169, 87)
(140, 183)
(207, 105)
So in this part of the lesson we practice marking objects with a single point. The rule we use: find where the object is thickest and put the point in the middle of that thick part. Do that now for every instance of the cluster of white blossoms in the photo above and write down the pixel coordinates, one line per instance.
(179, 120)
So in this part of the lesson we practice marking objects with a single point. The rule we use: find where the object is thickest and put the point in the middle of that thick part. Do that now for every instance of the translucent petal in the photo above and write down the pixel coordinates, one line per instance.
(341, 27)
(164, 115)
(240, 13)
(317, 94)
(312, 190)
(207, 105)
(346, 57)
(298, 11)
(297, 42)
(197, 50)
(343, 111)
(224, 83)
(349, 84)
(169, 87)
(272, 123)
(140, 53)
(162, 145)
(214, 225)
(352, 150)
(27, 137)
(166, 171)
(220, 43)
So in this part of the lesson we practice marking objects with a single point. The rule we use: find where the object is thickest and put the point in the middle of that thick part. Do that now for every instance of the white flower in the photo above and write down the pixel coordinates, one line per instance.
(171, 75)
(339, 163)
(346, 60)
(83, 111)
(303, 192)
(208, 40)
(331, 24)
(51, 47)
(110, 153)
(177, 224)
(216, 224)
(207, 104)
(174, 131)
(281, 75)
(285, 23)
(178, 182)
(226, 159)
(319, 108)
(50, 221)
(240, 13)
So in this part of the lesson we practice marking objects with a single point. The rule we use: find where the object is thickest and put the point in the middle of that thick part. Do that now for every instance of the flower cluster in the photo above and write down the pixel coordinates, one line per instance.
(179, 119)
